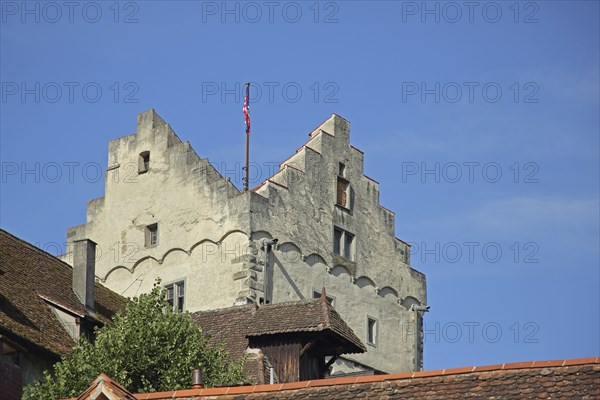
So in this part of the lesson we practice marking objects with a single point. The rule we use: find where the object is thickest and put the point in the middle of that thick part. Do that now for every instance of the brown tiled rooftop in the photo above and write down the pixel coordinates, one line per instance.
(30, 279)
(105, 388)
(234, 325)
(314, 315)
(558, 379)
(237, 327)
(227, 326)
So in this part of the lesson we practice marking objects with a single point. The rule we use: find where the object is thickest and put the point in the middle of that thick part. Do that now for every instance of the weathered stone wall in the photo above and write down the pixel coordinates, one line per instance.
(202, 222)
(211, 235)
(300, 211)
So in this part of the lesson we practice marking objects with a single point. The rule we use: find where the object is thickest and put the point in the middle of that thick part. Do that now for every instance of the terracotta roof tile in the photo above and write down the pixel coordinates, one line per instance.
(304, 316)
(578, 378)
(234, 325)
(227, 326)
(103, 384)
(30, 279)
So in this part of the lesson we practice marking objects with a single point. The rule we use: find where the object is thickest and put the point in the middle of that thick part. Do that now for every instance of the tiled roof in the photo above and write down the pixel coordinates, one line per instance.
(105, 388)
(304, 316)
(227, 326)
(562, 379)
(234, 325)
(30, 279)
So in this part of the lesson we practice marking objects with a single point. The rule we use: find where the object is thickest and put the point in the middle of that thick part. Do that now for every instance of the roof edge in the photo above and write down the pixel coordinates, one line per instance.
(364, 379)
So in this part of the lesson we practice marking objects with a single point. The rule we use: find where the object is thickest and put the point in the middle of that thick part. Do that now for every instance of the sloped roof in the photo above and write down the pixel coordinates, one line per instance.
(227, 326)
(234, 325)
(105, 388)
(30, 279)
(560, 379)
(304, 316)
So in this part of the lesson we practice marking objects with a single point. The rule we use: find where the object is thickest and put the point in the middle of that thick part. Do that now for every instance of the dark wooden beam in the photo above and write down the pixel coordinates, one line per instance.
(331, 361)
(306, 347)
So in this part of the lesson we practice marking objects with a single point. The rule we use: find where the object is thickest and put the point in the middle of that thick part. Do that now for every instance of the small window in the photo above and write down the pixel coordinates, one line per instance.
(337, 241)
(152, 235)
(343, 190)
(180, 296)
(317, 295)
(342, 193)
(342, 170)
(348, 244)
(371, 331)
(171, 295)
(343, 243)
(144, 162)
(175, 294)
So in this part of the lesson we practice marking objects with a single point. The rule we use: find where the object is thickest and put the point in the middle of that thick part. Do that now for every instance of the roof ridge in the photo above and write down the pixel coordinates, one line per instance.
(287, 303)
(104, 382)
(36, 249)
(39, 282)
(278, 387)
(326, 309)
(228, 309)
(349, 335)
(44, 253)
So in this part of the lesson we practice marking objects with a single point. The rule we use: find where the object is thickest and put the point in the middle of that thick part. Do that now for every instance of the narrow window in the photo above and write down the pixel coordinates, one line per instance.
(348, 246)
(151, 235)
(144, 162)
(342, 192)
(171, 295)
(343, 188)
(180, 296)
(343, 243)
(371, 331)
(175, 293)
(337, 241)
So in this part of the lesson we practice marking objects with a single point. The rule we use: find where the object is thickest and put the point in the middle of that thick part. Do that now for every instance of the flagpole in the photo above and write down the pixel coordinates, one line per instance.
(247, 167)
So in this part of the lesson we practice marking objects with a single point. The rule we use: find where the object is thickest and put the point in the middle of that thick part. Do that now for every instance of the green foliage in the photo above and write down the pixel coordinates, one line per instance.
(147, 349)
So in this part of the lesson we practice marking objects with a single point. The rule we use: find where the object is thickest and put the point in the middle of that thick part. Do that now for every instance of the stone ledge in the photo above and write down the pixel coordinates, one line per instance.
(245, 273)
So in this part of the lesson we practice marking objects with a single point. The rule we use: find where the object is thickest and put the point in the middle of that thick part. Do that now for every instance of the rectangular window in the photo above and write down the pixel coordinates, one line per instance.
(343, 243)
(348, 243)
(317, 295)
(337, 241)
(342, 193)
(175, 294)
(371, 331)
(343, 190)
(180, 296)
(151, 235)
(144, 162)
(171, 295)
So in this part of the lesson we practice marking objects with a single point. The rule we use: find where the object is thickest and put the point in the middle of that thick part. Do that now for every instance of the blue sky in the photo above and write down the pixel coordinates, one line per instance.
(481, 125)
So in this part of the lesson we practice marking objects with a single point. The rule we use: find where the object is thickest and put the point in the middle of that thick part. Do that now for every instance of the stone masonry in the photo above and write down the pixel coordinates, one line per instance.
(168, 213)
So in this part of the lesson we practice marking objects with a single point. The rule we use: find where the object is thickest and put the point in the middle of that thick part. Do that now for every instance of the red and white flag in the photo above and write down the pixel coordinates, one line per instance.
(246, 109)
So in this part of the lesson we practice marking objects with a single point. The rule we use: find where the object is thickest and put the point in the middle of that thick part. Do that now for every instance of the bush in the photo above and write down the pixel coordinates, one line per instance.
(147, 349)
